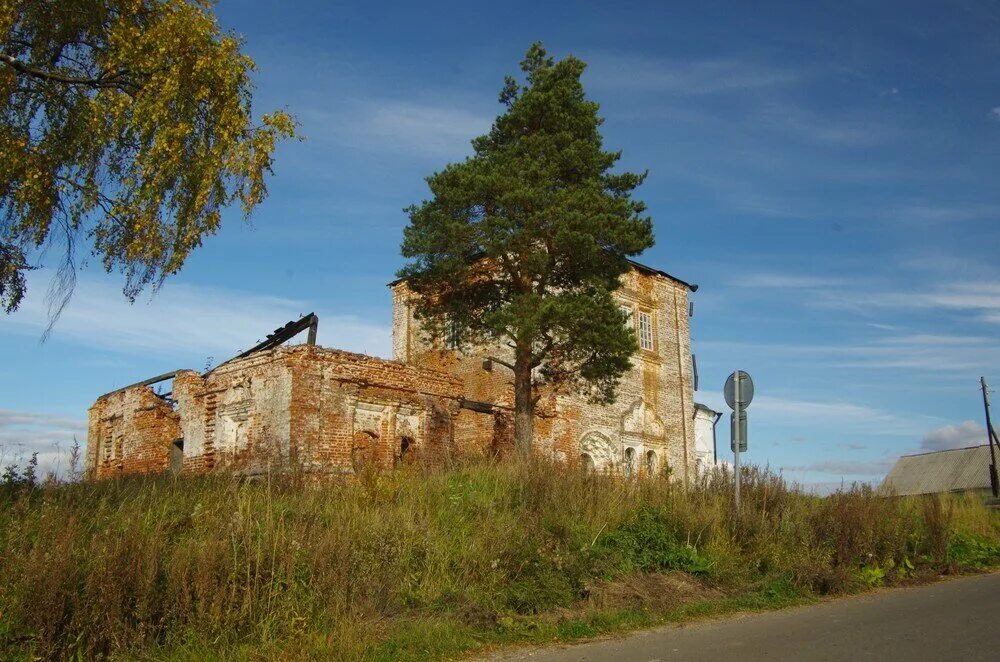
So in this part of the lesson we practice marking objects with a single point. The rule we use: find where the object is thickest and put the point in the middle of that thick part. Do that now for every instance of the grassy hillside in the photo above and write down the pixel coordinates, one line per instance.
(418, 564)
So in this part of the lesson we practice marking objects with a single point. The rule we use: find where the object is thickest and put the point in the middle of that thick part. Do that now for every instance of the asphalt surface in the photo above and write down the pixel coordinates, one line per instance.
(957, 619)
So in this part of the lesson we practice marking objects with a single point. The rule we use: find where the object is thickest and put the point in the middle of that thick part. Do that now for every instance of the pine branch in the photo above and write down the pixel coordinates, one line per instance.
(503, 363)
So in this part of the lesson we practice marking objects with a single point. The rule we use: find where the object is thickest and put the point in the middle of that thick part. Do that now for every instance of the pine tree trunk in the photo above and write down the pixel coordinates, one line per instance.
(524, 404)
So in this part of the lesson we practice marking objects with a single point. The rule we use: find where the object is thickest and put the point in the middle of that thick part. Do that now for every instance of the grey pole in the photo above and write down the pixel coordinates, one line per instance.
(989, 439)
(736, 438)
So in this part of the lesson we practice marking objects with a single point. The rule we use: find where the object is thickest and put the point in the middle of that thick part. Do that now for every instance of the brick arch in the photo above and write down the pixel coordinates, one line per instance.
(600, 450)
(364, 451)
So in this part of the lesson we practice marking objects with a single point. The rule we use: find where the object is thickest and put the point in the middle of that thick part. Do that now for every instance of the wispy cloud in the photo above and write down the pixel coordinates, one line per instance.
(995, 113)
(961, 435)
(788, 281)
(979, 296)
(940, 354)
(399, 127)
(848, 417)
(875, 467)
(931, 212)
(684, 77)
(183, 320)
(825, 127)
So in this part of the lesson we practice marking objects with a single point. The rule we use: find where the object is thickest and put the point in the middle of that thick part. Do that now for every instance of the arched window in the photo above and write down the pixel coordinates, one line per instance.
(650, 463)
(630, 462)
(363, 451)
(600, 450)
(587, 463)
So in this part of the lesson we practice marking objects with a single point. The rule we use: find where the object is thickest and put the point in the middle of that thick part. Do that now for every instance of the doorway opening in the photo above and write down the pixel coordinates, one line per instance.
(176, 456)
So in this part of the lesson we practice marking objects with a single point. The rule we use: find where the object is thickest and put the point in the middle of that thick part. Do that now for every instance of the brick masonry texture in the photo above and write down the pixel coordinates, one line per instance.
(648, 429)
(321, 410)
(331, 412)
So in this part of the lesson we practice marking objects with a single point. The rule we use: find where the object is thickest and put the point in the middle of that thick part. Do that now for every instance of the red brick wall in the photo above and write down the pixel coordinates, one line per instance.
(130, 431)
(300, 406)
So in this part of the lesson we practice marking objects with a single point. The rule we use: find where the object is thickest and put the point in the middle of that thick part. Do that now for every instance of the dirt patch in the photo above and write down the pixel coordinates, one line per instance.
(654, 592)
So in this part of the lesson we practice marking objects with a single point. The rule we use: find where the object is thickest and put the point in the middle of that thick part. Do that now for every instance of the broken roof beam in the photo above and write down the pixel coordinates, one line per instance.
(284, 334)
(146, 382)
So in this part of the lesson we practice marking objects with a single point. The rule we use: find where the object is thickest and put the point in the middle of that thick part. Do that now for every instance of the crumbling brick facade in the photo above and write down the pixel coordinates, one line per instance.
(130, 431)
(316, 409)
(649, 428)
(330, 412)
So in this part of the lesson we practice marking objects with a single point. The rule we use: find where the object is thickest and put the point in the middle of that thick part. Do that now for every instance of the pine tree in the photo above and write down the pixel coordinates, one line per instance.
(522, 244)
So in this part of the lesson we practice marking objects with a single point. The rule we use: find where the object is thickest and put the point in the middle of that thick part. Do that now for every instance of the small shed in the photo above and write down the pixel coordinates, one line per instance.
(956, 470)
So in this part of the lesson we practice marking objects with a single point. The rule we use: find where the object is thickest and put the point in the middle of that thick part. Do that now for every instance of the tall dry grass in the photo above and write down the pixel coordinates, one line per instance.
(158, 566)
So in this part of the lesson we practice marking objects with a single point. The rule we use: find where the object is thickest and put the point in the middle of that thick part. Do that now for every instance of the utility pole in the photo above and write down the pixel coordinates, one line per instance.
(991, 438)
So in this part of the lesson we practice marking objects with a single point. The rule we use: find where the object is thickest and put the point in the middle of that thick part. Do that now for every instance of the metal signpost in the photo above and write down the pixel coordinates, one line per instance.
(738, 392)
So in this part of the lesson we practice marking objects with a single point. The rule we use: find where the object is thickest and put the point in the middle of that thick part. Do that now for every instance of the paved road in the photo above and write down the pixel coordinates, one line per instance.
(950, 620)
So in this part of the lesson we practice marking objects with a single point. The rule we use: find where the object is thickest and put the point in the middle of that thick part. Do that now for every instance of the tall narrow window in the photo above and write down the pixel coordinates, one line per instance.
(630, 462)
(650, 463)
(453, 333)
(645, 331)
(629, 320)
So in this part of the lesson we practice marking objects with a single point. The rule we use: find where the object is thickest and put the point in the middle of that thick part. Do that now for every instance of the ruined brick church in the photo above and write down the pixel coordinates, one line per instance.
(331, 412)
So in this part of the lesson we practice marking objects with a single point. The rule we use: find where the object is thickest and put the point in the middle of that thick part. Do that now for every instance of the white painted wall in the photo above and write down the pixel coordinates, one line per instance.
(704, 420)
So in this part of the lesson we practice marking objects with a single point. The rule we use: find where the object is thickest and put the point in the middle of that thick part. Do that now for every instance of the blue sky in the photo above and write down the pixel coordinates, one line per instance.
(826, 172)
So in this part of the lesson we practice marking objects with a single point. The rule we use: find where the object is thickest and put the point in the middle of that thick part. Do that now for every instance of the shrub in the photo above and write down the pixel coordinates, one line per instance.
(976, 552)
(649, 541)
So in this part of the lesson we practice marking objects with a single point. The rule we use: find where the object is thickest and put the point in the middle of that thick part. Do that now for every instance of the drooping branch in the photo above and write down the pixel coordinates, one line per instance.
(104, 80)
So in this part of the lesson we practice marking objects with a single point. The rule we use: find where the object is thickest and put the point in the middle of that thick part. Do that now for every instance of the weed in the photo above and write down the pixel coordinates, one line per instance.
(422, 563)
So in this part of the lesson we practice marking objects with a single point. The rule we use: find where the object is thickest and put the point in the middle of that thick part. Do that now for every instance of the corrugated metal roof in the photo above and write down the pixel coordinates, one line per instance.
(941, 471)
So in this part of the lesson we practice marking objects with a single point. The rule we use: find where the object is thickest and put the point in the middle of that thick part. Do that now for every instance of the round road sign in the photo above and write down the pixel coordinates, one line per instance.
(746, 389)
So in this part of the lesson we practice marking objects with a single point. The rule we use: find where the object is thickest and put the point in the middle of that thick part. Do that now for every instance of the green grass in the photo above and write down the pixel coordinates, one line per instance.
(422, 564)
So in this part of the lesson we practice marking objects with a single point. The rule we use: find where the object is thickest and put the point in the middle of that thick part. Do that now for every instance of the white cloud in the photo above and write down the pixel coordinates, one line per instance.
(979, 297)
(435, 129)
(51, 436)
(183, 320)
(995, 113)
(962, 435)
(846, 416)
(399, 127)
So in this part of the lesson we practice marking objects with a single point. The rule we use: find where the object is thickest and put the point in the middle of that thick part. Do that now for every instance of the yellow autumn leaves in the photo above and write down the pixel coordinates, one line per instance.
(142, 159)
